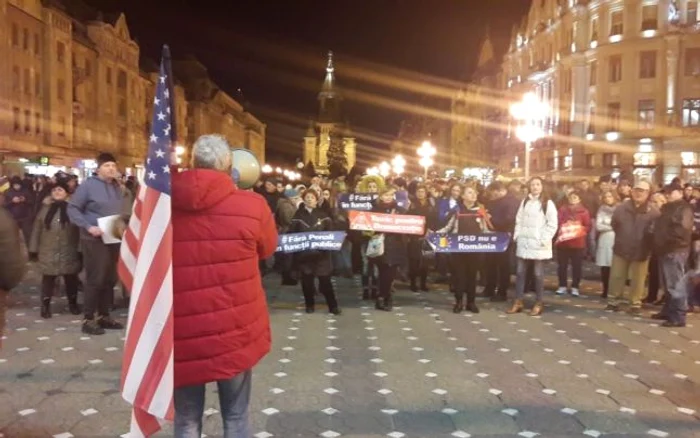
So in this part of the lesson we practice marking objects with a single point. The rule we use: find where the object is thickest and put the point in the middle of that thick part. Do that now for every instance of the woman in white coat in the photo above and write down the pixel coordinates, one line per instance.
(535, 226)
(606, 237)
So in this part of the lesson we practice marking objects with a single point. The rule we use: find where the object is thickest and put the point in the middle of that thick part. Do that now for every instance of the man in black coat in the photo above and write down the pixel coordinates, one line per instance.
(673, 232)
(503, 207)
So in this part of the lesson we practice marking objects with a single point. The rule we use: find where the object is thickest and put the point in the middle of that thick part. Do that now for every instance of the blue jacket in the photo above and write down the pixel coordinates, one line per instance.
(94, 199)
(503, 212)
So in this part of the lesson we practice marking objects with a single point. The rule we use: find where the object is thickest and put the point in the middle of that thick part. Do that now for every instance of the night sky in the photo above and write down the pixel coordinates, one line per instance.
(274, 51)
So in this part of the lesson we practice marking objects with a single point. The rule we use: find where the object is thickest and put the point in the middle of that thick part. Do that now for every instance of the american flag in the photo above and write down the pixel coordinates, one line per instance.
(145, 267)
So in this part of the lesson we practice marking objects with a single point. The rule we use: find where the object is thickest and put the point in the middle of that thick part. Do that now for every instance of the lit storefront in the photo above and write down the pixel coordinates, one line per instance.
(645, 161)
(690, 167)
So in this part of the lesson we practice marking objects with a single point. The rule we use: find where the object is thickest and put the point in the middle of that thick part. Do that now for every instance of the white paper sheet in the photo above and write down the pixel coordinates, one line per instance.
(106, 224)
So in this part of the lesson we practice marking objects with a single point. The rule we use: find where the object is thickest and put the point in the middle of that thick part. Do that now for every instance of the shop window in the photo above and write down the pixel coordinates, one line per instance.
(611, 159)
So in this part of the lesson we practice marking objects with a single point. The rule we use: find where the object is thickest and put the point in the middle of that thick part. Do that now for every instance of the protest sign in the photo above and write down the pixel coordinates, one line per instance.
(364, 201)
(314, 240)
(387, 223)
(469, 243)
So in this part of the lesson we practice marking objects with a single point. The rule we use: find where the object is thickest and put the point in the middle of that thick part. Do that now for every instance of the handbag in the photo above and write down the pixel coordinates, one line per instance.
(571, 230)
(375, 246)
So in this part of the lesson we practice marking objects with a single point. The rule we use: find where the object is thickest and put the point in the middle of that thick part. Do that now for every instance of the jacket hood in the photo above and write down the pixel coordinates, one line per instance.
(200, 189)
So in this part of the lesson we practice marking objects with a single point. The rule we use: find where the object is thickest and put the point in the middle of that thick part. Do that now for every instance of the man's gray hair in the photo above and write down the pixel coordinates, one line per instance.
(211, 151)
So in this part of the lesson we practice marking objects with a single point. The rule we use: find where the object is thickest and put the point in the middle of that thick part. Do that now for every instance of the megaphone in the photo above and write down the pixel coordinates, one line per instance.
(246, 168)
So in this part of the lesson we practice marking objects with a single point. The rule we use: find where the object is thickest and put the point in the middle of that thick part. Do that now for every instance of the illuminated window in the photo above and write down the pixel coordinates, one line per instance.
(650, 14)
(616, 23)
(613, 117)
(691, 112)
(646, 115)
(615, 68)
(647, 64)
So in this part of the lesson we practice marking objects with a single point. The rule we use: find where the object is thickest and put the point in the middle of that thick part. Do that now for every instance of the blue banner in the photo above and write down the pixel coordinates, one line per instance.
(363, 201)
(315, 240)
(471, 243)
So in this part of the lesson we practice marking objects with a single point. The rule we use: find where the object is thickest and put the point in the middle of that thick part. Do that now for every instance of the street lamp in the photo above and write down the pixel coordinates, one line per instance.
(267, 168)
(373, 171)
(530, 112)
(384, 169)
(426, 152)
(398, 164)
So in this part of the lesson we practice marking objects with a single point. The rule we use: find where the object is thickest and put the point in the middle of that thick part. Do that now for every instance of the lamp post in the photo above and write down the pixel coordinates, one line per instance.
(426, 152)
(384, 169)
(398, 164)
(530, 112)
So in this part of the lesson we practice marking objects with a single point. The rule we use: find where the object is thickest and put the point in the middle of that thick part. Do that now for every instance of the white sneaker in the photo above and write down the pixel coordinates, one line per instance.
(575, 292)
(561, 291)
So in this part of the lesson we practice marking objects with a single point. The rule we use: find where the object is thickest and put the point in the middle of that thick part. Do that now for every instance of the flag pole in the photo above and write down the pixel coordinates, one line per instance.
(170, 82)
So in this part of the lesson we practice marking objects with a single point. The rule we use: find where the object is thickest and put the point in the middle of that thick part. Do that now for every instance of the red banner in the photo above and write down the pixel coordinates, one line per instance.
(387, 223)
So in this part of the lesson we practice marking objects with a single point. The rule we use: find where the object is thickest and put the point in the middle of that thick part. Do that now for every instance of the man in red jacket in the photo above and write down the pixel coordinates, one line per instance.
(222, 326)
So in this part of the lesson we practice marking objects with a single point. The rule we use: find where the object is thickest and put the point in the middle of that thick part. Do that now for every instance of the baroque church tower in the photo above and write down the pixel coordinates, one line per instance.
(328, 124)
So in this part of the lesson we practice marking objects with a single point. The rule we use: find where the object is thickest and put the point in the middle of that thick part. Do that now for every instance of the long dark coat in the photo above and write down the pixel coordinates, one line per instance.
(395, 245)
(56, 246)
(312, 262)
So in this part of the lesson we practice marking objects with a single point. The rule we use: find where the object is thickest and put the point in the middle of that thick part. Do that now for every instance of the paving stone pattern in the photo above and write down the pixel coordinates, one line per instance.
(419, 371)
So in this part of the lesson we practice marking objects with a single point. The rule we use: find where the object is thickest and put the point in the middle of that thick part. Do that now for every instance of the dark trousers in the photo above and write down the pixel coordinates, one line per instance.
(653, 280)
(464, 269)
(498, 271)
(605, 278)
(100, 263)
(26, 226)
(575, 257)
(387, 275)
(308, 287)
(48, 284)
(417, 268)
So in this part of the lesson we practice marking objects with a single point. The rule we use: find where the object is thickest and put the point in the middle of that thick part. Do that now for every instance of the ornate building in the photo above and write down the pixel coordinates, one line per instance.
(622, 79)
(328, 124)
(477, 108)
(71, 85)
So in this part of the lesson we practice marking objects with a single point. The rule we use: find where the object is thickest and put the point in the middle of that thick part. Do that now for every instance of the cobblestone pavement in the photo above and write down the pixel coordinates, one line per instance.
(420, 371)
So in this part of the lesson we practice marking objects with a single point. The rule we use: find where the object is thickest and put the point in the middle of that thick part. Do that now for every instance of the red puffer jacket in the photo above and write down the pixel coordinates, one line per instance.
(222, 326)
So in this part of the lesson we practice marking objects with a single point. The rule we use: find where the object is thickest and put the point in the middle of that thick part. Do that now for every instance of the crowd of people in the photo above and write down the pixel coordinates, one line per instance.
(643, 237)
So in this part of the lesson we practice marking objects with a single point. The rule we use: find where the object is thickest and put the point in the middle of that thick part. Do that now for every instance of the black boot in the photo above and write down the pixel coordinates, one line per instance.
(388, 304)
(424, 283)
(458, 307)
(379, 303)
(46, 308)
(90, 327)
(471, 306)
(73, 306)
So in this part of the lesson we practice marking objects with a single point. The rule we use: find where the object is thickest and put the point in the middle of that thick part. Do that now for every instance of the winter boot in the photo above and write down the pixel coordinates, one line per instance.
(459, 306)
(46, 308)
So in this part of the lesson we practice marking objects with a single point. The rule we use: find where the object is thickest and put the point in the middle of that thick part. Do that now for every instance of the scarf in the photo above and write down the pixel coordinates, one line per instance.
(53, 208)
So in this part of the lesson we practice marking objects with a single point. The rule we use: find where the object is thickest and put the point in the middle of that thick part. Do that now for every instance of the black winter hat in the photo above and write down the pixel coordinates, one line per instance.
(105, 157)
(62, 183)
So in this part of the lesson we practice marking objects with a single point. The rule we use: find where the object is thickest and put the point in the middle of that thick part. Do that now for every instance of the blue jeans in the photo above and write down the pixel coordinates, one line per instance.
(521, 278)
(234, 398)
(676, 285)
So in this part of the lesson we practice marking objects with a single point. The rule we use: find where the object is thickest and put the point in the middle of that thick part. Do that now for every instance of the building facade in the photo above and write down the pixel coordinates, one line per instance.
(477, 109)
(71, 86)
(328, 124)
(622, 78)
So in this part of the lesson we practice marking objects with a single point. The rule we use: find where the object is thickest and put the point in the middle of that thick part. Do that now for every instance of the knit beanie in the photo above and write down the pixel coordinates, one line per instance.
(105, 157)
